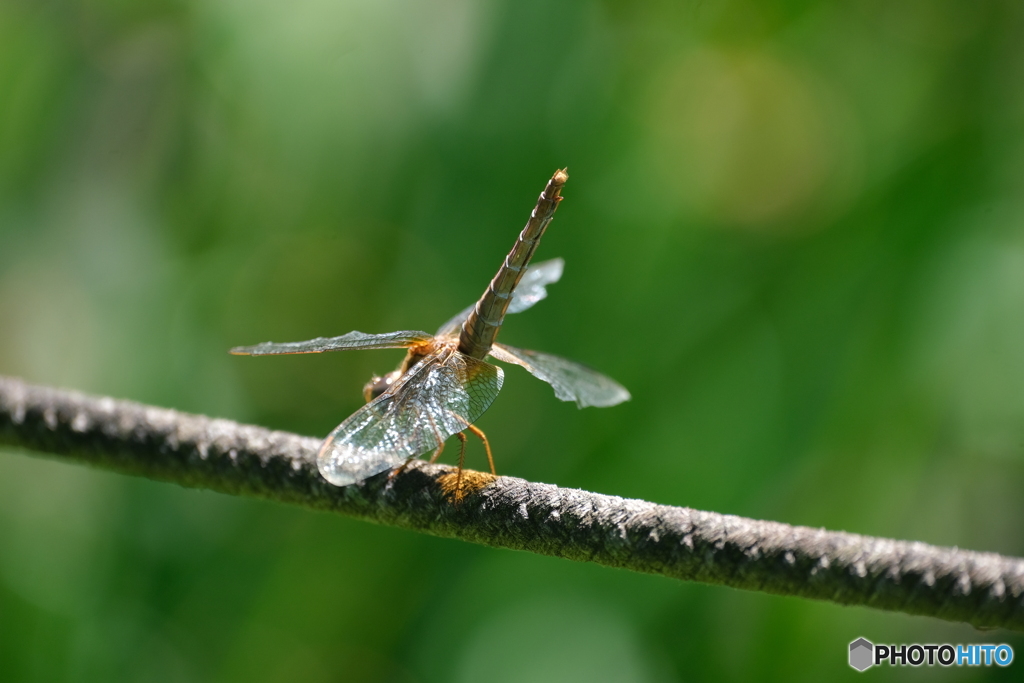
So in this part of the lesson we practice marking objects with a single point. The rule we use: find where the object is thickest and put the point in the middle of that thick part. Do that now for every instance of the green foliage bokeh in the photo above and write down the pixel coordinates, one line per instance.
(794, 230)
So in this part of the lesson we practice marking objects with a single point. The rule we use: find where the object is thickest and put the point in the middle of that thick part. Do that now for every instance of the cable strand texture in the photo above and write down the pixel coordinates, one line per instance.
(984, 589)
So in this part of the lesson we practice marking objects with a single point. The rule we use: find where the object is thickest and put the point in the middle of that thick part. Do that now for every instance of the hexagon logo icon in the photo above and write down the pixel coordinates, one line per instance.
(861, 654)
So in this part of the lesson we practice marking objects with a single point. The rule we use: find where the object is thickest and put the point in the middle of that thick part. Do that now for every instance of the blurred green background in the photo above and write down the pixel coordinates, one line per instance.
(794, 230)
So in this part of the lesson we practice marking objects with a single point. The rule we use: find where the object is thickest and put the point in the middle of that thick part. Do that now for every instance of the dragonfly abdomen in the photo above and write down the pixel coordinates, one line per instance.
(481, 327)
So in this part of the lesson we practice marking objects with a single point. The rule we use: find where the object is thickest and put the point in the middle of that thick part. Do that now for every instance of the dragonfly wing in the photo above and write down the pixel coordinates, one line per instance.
(571, 381)
(531, 289)
(441, 395)
(352, 340)
(453, 325)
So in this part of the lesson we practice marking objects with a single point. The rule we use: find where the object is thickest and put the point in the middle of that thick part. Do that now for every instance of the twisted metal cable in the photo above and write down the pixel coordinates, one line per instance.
(984, 589)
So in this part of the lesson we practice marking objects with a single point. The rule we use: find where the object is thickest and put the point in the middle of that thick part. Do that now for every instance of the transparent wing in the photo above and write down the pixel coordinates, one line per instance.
(571, 381)
(352, 340)
(442, 394)
(531, 289)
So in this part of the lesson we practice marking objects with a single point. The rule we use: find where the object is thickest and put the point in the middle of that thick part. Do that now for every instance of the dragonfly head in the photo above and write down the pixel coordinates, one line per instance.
(378, 385)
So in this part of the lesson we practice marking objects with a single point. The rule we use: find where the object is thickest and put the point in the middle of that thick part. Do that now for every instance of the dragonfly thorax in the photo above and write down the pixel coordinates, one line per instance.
(417, 352)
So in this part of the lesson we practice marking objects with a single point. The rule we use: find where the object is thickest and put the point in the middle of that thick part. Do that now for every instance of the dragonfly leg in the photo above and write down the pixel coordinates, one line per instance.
(401, 468)
(440, 447)
(462, 460)
(433, 458)
(437, 453)
(487, 446)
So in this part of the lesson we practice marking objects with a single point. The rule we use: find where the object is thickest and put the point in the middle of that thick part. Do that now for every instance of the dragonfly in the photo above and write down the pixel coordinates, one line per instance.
(445, 382)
